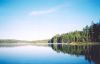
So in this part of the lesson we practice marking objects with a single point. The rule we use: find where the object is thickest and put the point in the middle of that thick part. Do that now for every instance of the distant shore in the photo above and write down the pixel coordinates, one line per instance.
(39, 43)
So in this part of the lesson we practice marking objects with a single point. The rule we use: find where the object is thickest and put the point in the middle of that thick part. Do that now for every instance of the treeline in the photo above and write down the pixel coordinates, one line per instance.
(12, 41)
(40, 41)
(88, 34)
(22, 41)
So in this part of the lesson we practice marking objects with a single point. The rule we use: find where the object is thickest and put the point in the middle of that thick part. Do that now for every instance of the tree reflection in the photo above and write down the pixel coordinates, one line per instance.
(91, 52)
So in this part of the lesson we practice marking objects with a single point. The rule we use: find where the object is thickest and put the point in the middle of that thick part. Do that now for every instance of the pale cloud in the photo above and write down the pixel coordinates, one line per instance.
(48, 11)
(33, 13)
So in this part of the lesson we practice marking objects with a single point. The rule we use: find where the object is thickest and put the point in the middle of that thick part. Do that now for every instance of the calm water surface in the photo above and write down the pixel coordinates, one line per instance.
(51, 54)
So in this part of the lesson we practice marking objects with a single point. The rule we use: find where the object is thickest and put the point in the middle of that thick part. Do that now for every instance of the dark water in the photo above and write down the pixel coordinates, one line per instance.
(51, 54)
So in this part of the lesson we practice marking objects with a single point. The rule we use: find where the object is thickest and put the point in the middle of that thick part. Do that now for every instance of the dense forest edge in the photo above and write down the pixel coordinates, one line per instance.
(89, 34)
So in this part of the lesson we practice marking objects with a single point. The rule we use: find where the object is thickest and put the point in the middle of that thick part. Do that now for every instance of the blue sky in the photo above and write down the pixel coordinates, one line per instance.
(42, 19)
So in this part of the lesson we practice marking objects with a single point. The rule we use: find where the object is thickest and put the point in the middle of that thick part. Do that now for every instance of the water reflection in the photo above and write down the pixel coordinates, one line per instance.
(50, 54)
(90, 52)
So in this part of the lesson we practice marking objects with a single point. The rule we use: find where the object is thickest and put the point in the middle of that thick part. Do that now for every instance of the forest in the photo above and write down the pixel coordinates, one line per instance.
(88, 34)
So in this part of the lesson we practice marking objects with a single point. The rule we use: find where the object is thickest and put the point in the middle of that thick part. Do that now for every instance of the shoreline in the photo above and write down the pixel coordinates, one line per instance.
(41, 43)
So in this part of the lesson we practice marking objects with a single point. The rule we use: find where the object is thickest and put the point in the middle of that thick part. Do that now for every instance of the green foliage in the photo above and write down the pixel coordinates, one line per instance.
(55, 38)
(88, 34)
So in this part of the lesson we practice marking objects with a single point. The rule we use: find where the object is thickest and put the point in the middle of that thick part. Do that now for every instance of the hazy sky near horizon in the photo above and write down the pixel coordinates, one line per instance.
(42, 19)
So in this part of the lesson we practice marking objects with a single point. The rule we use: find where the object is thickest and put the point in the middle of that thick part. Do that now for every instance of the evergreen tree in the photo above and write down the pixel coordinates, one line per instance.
(88, 34)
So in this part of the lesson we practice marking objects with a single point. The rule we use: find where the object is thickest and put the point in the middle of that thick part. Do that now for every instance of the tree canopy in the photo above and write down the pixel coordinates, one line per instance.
(88, 34)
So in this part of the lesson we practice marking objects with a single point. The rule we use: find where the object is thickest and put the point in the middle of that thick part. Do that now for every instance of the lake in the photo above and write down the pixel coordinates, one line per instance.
(50, 54)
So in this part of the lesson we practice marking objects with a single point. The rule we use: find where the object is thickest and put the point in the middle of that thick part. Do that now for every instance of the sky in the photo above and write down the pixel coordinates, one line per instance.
(42, 19)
